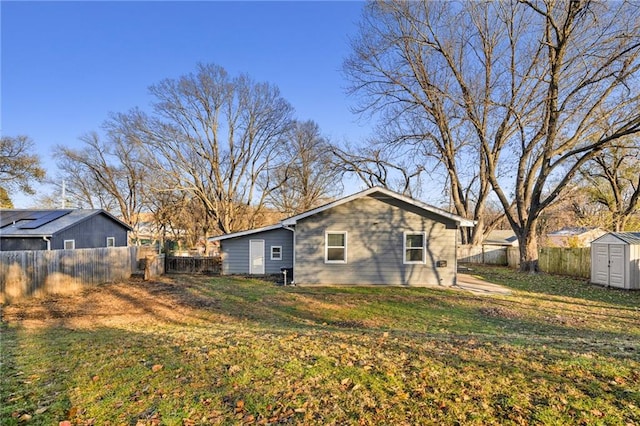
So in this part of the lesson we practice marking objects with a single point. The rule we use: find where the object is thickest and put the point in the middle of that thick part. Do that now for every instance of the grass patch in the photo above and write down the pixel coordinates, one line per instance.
(245, 351)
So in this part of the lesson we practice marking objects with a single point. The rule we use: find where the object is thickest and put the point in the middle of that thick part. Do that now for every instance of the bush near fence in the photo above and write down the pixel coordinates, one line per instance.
(33, 273)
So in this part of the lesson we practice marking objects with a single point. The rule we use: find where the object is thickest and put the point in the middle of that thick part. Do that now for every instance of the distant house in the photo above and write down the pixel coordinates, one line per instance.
(374, 237)
(60, 229)
(501, 238)
(574, 237)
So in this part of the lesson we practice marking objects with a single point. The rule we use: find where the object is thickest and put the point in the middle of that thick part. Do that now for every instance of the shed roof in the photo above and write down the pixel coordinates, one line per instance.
(39, 223)
(632, 238)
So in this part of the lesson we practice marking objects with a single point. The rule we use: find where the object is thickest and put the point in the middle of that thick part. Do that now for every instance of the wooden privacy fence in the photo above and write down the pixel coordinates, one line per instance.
(193, 265)
(31, 273)
(484, 254)
(575, 262)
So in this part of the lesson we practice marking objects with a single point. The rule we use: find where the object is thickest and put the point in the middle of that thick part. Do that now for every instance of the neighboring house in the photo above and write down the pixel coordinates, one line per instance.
(501, 238)
(574, 237)
(60, 229)
(374, 237)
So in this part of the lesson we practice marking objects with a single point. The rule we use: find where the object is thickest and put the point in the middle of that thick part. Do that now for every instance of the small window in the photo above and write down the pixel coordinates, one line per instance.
(336, 247)
(111, 241)
(276, 252)
(414, 250)
(69, 244)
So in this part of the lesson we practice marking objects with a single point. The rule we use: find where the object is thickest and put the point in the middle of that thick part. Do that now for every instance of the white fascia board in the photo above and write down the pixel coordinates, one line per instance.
(247, 232)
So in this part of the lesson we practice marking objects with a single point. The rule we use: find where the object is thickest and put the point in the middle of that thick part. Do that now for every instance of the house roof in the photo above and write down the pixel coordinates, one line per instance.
(385, 192)
(247, 232)
(45, 223)
(632, 238)
(571, 231)
(501, 237)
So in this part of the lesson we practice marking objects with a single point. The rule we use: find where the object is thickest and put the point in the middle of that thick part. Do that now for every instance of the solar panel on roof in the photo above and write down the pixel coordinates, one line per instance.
(9, 217)
(44, 219)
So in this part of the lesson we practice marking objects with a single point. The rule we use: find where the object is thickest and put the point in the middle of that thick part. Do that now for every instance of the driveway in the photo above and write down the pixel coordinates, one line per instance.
(479, 286)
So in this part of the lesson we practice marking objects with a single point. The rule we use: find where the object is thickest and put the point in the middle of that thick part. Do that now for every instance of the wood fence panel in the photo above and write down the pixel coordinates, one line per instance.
(31, 273)
(513, 257)
(485, 254)
(575, 262)
(154, 266)
(193, 265)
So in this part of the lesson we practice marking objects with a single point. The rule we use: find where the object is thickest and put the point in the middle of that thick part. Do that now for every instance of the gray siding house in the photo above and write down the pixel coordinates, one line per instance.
(374, 237)
(60, 229)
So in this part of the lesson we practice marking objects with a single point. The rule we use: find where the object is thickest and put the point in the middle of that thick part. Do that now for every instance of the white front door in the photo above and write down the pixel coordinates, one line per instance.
(256, 257)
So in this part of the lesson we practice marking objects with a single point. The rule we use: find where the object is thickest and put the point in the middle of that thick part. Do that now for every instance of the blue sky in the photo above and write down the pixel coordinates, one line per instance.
(67, 65)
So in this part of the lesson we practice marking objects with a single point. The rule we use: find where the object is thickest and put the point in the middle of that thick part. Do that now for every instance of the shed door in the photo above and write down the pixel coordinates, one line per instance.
(256, 257)
(601, 264)
(616, 265)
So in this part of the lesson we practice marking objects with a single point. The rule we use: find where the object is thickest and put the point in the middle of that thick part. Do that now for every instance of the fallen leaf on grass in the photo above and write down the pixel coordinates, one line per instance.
(41, 410)
(157, 367)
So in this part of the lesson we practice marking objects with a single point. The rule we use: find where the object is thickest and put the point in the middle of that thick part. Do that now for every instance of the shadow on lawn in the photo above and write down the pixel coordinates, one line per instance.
(427, 313)
(557, 285)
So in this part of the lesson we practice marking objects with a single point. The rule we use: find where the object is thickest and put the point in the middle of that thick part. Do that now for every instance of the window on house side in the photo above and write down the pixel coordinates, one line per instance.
(111, 241)
(336, 247)
(69, 244)
(414, 250)
(276, 252)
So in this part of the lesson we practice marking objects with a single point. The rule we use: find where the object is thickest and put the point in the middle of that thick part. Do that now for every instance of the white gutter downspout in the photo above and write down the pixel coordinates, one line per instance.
(293, 282)
(48, 242)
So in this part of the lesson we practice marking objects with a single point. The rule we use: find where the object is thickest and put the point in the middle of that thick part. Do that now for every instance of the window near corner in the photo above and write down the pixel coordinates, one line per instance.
(276, 252)
(414, 250)
(111, 241)
(336, 247)
(69, 244)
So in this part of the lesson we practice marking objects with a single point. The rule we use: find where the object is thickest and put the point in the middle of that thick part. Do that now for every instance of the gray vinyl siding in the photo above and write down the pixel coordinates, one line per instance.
(91, 233)
(375, 234)
(235, 251)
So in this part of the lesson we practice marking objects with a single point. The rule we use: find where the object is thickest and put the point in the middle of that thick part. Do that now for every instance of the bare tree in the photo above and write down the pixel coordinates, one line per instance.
(19, 167)
(307, 173)
(612, 180)
(106, 174)
(218, 138)
(537, 88)
(374, 167)
(399, 76)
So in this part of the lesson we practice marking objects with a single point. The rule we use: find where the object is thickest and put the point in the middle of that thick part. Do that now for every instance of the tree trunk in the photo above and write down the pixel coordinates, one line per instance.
(528, 251)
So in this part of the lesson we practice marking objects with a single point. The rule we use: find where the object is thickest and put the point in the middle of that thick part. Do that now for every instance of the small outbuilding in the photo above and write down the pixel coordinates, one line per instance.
(615, 260)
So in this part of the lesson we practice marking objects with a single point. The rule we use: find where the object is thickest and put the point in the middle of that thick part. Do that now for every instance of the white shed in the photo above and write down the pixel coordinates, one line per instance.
(615, 260)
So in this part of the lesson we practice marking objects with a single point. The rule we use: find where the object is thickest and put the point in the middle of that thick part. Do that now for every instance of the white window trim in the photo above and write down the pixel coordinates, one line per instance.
(404, 248)
(280, 254)
(326, 246)
(73, 243)
(112, 239)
